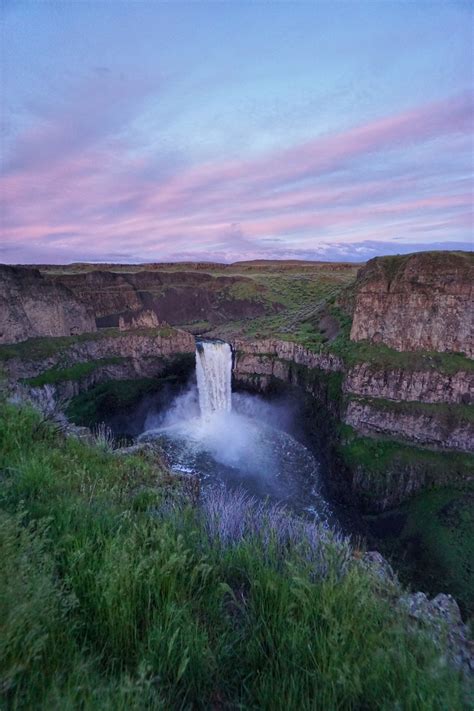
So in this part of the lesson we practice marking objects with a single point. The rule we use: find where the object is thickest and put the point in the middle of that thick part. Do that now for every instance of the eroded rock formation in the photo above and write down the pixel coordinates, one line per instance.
(429, 428)
(30, 305)
(108, 356)
(257, 363)
(422, 301)
(424, 409)
(430, 386)
(418, 302)
(134, 347)
(141, 319)
(177, 297)
(49, 303)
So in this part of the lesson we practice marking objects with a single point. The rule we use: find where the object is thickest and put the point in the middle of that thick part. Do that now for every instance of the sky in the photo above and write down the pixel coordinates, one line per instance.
(218, 131)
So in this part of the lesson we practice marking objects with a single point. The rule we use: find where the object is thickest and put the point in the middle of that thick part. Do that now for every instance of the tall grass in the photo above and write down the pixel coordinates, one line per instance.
(115, 596)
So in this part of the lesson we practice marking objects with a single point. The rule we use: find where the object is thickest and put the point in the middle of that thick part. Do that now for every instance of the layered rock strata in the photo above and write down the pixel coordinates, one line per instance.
(136, 346)
(431, 429)
(272, 358)
(177, 297)
(430, 386)
(421, 301)
(426, 410)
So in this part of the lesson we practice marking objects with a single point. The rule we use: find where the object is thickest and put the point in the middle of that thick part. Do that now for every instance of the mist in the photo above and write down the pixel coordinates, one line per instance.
(280, 413)
(249, 447)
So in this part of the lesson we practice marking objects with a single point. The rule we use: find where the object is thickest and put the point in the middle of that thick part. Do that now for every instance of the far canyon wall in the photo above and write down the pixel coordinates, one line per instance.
(30, 306)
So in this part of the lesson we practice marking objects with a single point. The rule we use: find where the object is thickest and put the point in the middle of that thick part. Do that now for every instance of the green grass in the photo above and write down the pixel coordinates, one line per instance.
(393, 264)
(334, 386)
(75, 372)
(294, 290)
(307, 295)
(380, 456)
(305, 304)
(302, 290)
(94, 406)
(431, 539)
(449, 413)
(39, 348)
(248, 290)
(104, 605)
(196, 327)
(98, 403)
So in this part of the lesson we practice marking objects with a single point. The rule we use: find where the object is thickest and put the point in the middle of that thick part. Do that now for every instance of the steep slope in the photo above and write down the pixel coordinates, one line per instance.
(403, 416)
(118, 592)
(30, 305)
(177, 297)
(417, 302)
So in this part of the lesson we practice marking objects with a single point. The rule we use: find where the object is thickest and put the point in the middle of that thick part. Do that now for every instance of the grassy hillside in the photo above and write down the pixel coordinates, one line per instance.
(303, 289)
(288, 292)
(116, 594)
(430, 539)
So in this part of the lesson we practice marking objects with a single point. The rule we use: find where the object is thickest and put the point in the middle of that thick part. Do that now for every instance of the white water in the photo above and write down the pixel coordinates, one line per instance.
(235, 447)
(214, 375)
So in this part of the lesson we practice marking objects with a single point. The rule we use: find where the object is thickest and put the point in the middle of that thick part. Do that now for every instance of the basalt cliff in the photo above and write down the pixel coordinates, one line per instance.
(31, 305)
(398, 384)
(41, 302)
(418, 302)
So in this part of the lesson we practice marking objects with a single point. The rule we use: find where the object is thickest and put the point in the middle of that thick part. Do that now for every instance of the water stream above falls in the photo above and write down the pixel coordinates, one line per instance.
(236, 441)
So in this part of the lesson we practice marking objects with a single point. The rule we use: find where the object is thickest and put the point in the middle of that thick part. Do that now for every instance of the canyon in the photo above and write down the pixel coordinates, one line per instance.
(386, 350)
(378, 357)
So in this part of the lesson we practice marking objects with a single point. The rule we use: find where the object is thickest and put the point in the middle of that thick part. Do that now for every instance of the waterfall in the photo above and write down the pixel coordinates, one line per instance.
(214, 373)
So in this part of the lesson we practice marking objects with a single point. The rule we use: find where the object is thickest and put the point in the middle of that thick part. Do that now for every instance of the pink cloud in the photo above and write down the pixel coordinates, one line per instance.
(96, 196)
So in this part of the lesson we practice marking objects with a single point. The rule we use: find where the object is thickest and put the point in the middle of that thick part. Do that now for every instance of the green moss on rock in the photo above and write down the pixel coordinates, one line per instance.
(378, 456)
(431, 540)
(75, 372)
(39, 348)
(95, 405)
(451, 414)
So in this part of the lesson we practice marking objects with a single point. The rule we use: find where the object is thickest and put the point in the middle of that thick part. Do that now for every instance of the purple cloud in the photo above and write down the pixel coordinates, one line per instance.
(80, 180)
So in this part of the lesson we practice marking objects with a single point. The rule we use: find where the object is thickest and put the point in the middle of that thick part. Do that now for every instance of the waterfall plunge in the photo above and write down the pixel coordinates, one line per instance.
(214, 375)
(236, 447)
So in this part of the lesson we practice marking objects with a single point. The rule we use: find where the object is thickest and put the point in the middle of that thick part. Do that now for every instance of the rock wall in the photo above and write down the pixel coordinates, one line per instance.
(139, 348)
(422, 301)
(33, 303)
(425, 409)
(402, 479)
(140, 319)
(104, 292)
(177, 297)
(32, 306)
(272, 348)
(430, 386)
(416, 302)
(257, 364)
(422, 428)
(127, 369)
